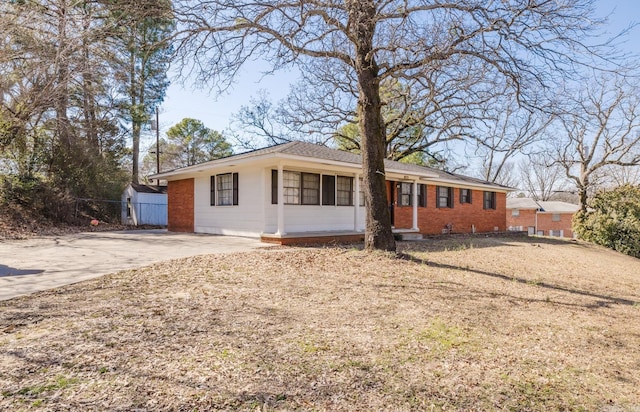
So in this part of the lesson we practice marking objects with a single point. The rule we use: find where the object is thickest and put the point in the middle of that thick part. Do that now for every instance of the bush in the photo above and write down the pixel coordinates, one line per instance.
(38, 197)
(613, 220)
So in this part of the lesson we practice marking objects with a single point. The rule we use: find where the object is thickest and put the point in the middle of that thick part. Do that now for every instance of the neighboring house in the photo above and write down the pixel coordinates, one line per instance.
(300, 190)
(544, 218)
(144, 205)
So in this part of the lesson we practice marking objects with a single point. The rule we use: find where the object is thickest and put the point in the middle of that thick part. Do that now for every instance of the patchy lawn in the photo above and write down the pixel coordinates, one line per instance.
(476, 324)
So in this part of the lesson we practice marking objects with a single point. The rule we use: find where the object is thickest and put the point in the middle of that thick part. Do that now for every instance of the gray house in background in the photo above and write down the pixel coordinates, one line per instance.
(144, 205)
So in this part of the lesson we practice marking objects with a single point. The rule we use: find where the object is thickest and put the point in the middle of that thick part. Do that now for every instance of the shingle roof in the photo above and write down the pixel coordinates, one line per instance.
(140, 188)
(558, 207)
(522, 203)
(316, 151)
(543, 206)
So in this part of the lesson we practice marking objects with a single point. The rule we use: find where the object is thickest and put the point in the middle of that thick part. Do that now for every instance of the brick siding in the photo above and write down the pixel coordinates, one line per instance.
(181, 205)
(432, 220)
(545, 222)
(526, 219)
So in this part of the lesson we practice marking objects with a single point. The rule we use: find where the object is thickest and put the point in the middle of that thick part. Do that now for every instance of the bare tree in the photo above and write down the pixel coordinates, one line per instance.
(528, 45)
(616, 176)
(600, 129)
(261, 119)
(540, 177)
(504, 132)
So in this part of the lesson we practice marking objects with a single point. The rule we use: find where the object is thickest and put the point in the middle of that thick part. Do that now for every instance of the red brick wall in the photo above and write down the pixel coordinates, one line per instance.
(546, 223)
(527, 218)
(181, 204)
(431, 220)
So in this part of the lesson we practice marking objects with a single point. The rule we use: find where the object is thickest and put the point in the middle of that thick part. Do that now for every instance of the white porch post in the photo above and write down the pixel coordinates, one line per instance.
(280, 200)
(414, 202)
(356, 203)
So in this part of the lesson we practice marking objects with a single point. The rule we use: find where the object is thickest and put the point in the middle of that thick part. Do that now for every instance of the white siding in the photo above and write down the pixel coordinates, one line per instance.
(309, 218)
(245, 219)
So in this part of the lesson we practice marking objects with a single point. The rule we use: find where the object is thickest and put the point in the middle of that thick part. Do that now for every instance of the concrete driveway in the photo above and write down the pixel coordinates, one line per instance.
(32, 265)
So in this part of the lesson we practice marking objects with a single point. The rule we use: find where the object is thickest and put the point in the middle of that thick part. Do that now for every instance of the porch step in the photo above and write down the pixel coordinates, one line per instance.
(411, 236)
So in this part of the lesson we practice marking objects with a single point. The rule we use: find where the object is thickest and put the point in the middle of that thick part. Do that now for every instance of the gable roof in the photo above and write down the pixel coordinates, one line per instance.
(542, 206)
(319, 153)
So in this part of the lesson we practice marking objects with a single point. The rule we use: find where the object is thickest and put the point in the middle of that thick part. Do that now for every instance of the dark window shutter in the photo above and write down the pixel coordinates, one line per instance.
(399, 193)
(422, 195)
(235, 189)
(213, 190)
(274, 187)
(328, 190)
(450, 198)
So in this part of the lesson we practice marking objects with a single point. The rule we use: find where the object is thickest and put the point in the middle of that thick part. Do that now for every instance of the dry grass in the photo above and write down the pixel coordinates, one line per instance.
(481, 324)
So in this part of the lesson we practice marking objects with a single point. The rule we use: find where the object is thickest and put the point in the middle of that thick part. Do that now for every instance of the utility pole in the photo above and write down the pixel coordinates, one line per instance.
(156, 126)
(157, 143)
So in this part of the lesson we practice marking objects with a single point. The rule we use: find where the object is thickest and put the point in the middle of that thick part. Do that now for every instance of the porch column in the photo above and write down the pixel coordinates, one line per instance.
(280, 200)
(414, 202)
(356, 203)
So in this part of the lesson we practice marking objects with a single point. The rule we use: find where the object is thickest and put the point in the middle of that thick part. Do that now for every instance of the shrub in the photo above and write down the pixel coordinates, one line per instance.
(613, 220)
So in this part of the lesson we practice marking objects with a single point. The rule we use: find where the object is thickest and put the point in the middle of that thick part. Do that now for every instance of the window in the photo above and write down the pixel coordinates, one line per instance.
(328, 190)
(225, 189)
(465, 195)
(489, 200)
(515, 212)
(404, 194)
(422, 195)
(304, 189)
(310, 189)
(291, 188)
(555, 217)
(299, 188)
(445, 197)
(345, 191)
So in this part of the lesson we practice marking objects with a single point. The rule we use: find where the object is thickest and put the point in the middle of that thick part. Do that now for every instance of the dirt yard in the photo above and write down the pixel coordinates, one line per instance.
(475, 324)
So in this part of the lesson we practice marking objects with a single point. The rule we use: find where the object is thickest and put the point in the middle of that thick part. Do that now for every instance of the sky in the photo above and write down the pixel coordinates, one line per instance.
(215, 111)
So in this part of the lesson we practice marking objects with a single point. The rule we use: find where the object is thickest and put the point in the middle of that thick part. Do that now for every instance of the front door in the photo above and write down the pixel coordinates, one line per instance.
(391, 196)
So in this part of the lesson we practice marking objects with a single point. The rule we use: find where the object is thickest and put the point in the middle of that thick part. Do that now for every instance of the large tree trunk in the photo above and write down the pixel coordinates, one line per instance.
(378, 234)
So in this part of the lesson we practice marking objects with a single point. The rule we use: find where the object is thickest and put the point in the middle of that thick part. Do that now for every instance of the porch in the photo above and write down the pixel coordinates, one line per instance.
(330, 237)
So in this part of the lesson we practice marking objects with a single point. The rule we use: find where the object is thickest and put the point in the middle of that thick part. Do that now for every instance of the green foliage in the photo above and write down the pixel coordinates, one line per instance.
(408, 136)
(613, 220)
(191, 142)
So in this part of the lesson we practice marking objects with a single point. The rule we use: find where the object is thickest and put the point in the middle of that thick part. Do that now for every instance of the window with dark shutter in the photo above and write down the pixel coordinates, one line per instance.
(489, 200)
(444, 197)
(465, 195)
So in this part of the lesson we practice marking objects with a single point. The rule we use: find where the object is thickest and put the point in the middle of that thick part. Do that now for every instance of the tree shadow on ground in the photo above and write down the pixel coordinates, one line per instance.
(603, 300)
(461, 242)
